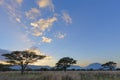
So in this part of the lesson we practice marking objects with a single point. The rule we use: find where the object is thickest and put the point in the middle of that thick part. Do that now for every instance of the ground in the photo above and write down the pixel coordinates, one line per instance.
(61, 75)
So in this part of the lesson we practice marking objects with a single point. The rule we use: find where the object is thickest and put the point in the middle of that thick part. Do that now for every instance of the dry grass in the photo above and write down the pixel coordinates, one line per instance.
(60, 75)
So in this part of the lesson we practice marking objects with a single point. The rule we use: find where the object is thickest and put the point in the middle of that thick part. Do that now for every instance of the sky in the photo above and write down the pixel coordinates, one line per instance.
(86, 30)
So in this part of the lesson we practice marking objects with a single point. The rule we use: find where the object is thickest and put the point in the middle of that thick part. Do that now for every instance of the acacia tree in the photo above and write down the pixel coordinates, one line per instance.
(22, 58)
(65, 62)
(111, 65)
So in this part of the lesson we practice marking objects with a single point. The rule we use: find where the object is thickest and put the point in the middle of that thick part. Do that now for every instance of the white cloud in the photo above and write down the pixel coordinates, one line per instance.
(46, 40)
(38, 27)
(48, 60)
(33, 13)
(34, 24)
(14, 10)
(60, 35)
(42, 25)
(19, 1)
(37, 33)
(66, 17)
(45, 3)
(18, 20)
(36, 50)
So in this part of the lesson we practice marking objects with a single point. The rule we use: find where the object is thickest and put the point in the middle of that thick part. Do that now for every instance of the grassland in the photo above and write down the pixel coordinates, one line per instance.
(60, 75)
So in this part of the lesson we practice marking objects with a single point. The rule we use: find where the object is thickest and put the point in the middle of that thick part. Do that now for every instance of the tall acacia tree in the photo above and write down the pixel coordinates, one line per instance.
(22, 58)
(65, 62)
(110, 65)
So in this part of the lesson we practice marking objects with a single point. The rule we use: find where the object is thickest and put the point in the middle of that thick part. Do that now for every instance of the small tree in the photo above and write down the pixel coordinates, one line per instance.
(65, 62)
(4, 67)
(110, 65)
(22, 58)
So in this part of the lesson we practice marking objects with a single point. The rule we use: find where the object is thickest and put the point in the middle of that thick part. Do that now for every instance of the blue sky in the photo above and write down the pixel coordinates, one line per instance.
(87, 30)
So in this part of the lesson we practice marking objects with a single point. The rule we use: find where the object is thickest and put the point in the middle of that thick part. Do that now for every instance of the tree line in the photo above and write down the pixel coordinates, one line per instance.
(24, 58)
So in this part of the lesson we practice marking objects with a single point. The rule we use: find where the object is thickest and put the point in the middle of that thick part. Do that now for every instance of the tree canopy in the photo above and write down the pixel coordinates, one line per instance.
(65, 62)
(22, 58)
(110, 65)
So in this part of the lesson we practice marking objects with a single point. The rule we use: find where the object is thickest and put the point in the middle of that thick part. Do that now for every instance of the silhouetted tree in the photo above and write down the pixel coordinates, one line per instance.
(110, 65)
(4, 67)
(65, 62)
(22, 58)
(44, 69)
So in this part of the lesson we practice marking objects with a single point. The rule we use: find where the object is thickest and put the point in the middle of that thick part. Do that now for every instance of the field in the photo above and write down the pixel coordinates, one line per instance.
(60, 75)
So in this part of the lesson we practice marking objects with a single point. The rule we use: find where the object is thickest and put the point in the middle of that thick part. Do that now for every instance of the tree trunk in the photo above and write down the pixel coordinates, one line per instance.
(22, 69)
(65, 69)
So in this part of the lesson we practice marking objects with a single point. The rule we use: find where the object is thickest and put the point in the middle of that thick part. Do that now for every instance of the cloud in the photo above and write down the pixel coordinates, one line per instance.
(18, 20)
(39, 27)
(45, 61)
(42, 25)
(3, 62)
(60, 35)
(1, 2)
(33, 13)
(13, 9)
(37, 33)
(36, 50)
(45, 3)
(48, 60)
(36, 23)
(66, 17)
(46, 40)
(19, 1)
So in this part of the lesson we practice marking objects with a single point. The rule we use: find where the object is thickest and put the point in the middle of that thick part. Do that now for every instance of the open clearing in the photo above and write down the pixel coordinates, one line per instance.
(61, 75)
